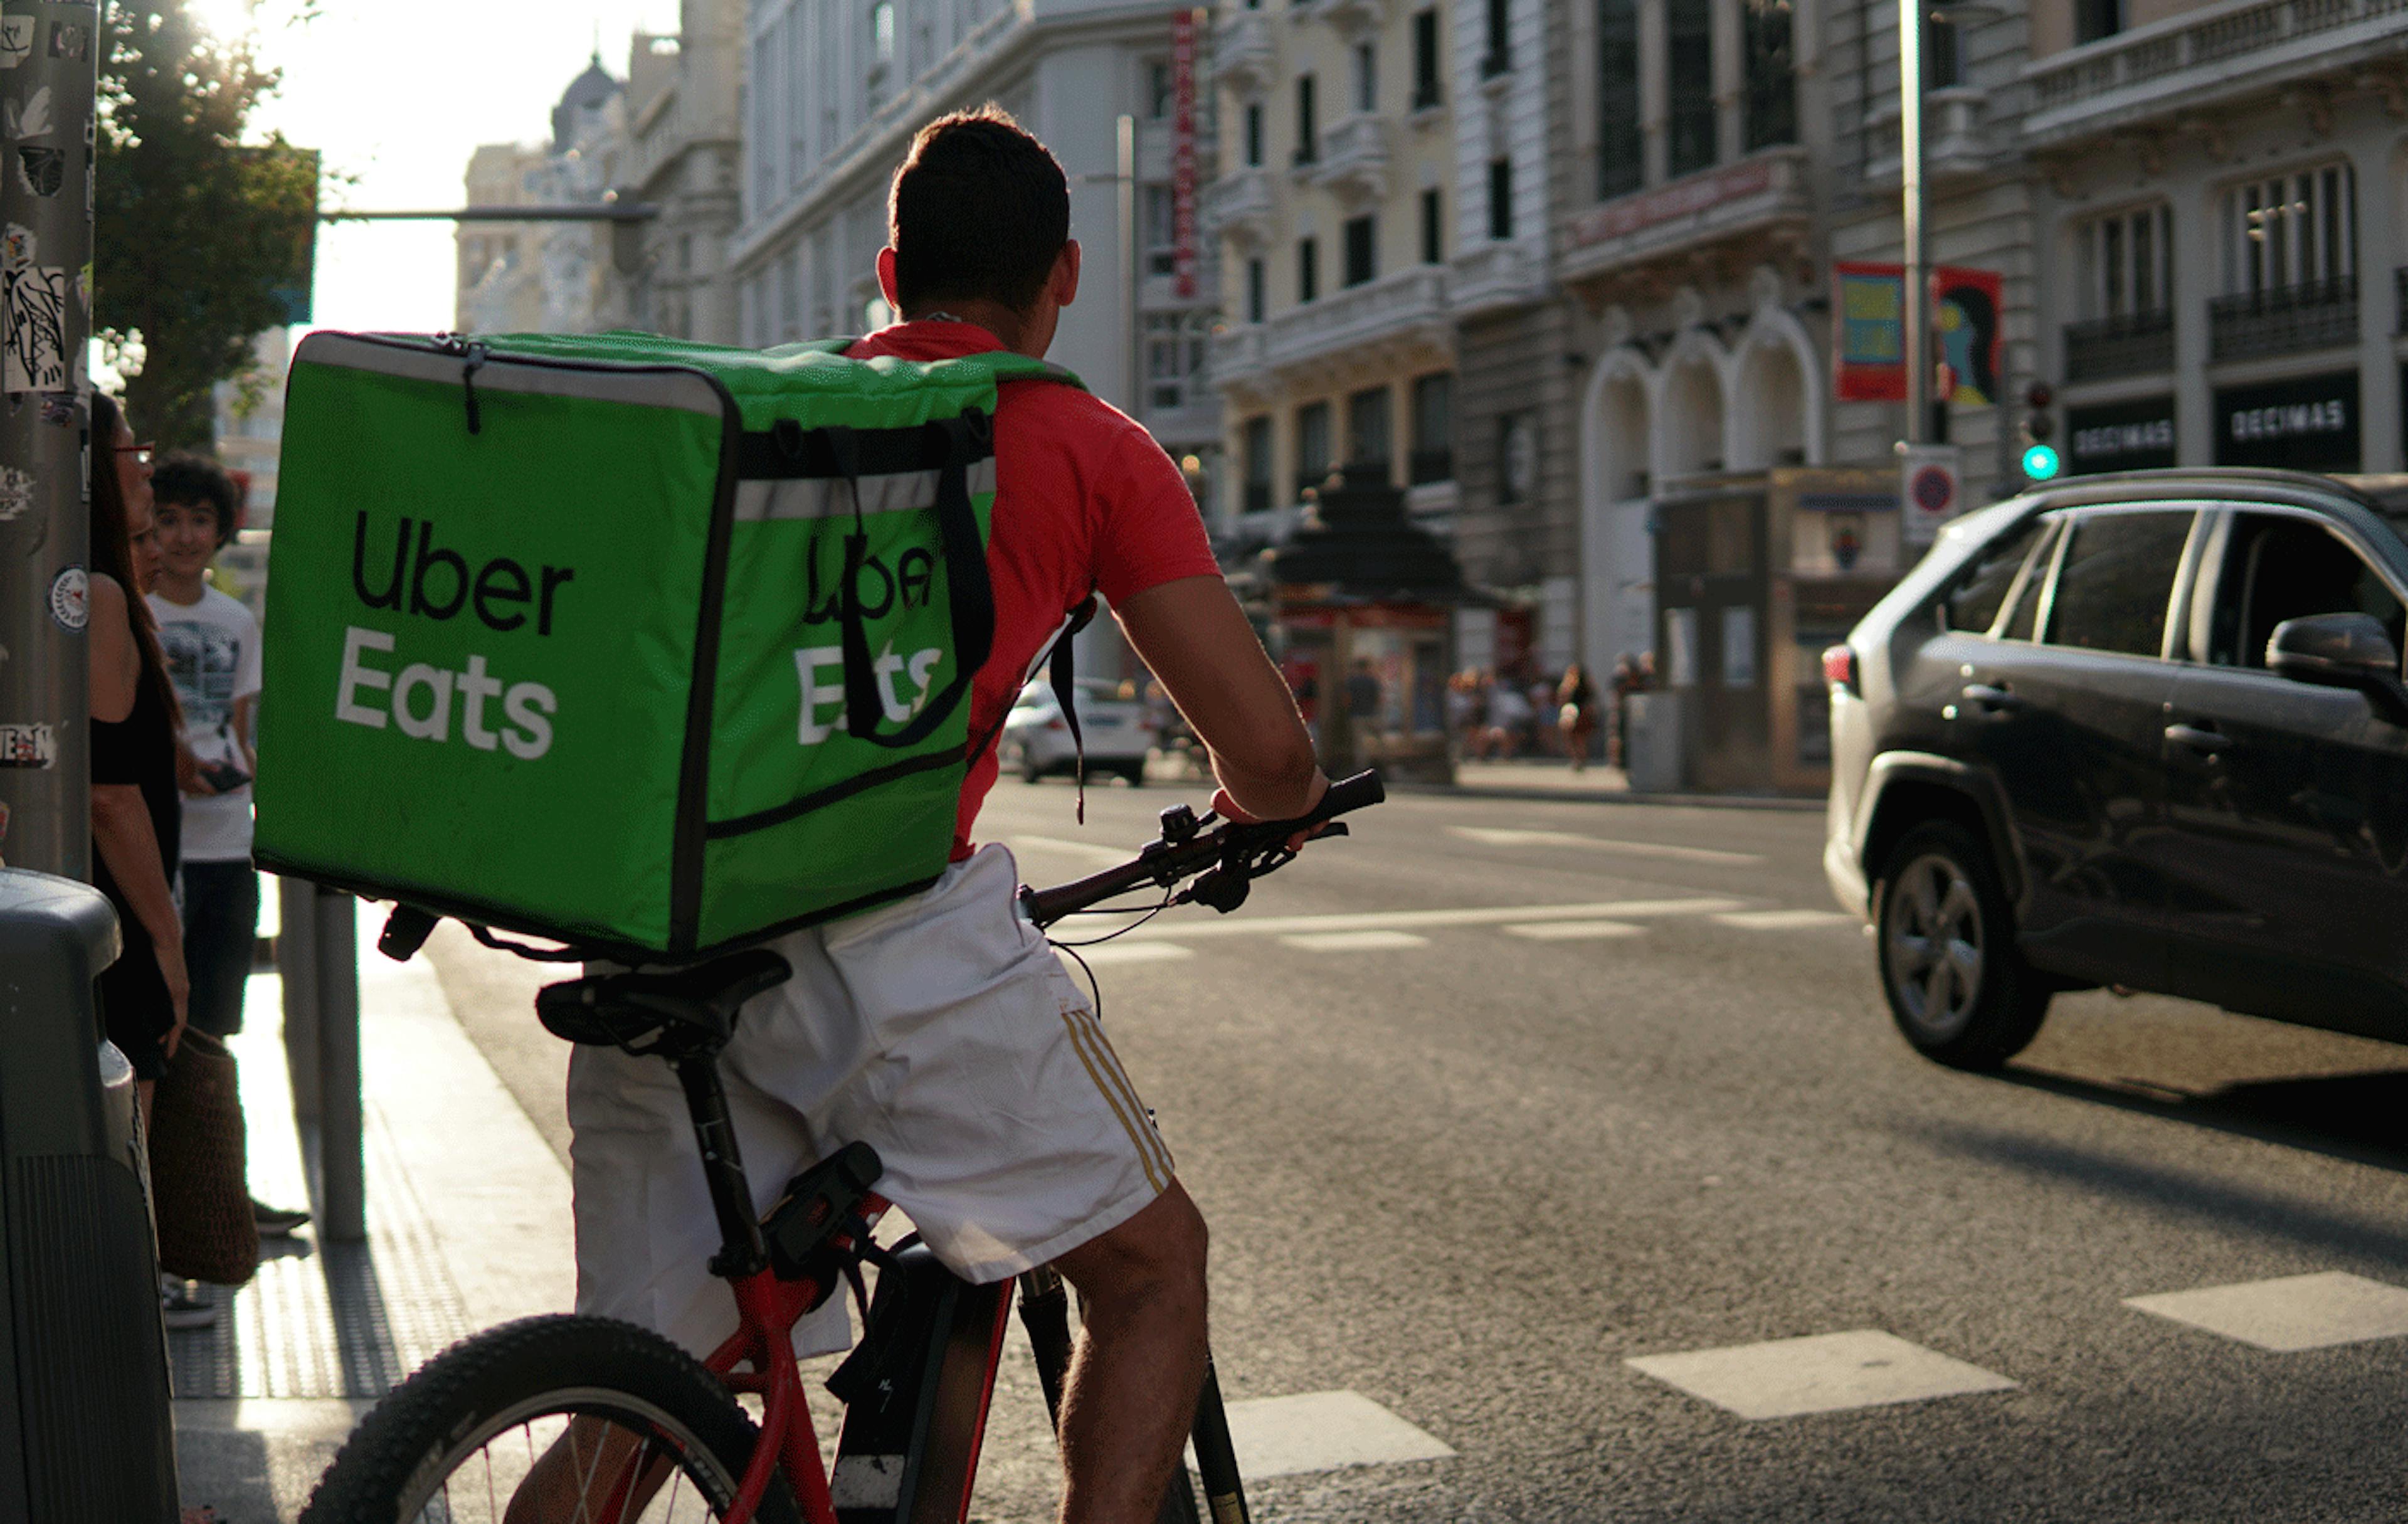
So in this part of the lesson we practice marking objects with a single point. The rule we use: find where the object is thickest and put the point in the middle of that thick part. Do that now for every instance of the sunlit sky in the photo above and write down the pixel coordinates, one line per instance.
(396, 95)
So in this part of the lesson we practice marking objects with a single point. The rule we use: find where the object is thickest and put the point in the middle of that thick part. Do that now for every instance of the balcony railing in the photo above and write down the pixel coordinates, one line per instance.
(1243, 55)
(1351, 17)
(1497, 275)
(1354, 157)
(2192, 59)
(2127, 344)
(1952, 135)
(1409, 308)
(2312, 315)
(1239, 205)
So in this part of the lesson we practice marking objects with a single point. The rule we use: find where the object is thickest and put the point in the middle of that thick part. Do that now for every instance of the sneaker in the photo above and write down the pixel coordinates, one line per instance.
(277, 1221)
(180, 1309)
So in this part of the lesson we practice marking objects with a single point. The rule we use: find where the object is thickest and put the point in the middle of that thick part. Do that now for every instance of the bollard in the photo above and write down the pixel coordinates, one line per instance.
(341, 1157)
(83, 1359)
(296, 960)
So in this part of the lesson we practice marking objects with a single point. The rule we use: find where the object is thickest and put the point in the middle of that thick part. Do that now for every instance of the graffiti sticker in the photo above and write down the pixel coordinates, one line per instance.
(43, 170)
(71, 600)
(16, 40)
(33, 345)
(27, 746)
(16, 492)
(69, 41)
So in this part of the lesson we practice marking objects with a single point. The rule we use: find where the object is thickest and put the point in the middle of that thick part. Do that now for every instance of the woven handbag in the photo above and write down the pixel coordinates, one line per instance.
(199, 1185)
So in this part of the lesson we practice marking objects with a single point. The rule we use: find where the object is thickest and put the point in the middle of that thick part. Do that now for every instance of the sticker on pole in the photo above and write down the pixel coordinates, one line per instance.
(27, 746)
(1931, 486)
(70, 600)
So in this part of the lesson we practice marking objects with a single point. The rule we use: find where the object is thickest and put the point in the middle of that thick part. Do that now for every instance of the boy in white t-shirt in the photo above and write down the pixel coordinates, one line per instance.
(211, 645)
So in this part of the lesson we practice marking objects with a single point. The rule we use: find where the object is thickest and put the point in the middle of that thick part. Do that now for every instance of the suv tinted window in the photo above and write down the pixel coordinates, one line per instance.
(1973, 603)
(2277, 566)
(2115, 580)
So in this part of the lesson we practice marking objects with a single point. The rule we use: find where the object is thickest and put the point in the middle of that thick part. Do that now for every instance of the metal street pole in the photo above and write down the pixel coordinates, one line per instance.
(1133, 263)
(49, 64)
(1910, 173)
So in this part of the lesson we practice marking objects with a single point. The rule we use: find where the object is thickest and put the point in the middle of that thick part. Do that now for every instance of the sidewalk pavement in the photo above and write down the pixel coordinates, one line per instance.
(469, 1226)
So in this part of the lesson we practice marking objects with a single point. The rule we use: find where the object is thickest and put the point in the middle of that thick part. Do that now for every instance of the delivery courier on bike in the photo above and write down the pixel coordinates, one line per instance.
(940, 1027)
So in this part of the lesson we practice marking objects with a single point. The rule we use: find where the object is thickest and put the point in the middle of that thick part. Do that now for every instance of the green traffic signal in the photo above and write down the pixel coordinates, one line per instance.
(2040, 463)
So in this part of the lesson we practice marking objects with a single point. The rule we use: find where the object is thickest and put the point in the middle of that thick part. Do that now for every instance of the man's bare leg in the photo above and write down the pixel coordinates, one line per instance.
(1140, 1367)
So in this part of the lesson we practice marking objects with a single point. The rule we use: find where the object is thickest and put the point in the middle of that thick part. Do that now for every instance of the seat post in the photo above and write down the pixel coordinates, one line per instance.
(742, 1251)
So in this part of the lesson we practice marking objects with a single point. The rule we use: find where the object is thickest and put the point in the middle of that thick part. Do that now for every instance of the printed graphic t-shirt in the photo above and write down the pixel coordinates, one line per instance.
(212, 650)
(1083, 499)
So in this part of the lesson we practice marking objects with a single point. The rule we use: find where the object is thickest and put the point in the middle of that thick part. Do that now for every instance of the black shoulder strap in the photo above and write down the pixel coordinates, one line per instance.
(1061, 672)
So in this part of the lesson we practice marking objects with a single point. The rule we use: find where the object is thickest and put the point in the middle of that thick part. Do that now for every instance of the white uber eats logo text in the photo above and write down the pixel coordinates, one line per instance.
(525, 729)
(811, 661)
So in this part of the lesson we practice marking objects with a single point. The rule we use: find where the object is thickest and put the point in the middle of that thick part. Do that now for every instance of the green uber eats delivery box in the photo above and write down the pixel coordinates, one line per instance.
(650, 647)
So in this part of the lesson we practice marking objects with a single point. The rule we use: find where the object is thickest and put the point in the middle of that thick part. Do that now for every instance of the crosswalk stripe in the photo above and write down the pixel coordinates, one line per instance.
(1496, 837)
(1573, 931)
(1107, 955)
(1355, 941)
(1280, 1436)
(1406, 920)
(1094, 852)
(1828, 1373)
(1783, 920)
(2291, 1313)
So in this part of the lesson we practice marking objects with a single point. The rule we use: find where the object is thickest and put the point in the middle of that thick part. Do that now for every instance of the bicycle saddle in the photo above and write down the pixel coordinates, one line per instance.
(644, 1013)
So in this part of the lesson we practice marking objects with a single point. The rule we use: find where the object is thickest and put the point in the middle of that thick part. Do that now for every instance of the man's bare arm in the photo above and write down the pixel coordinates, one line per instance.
(1193, 638)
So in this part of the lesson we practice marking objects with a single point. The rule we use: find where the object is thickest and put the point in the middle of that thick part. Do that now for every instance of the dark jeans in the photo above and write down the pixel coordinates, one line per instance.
(220, 923)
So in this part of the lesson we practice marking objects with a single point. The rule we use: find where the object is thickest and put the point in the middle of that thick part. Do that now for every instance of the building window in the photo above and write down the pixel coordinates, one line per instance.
(1433, 453)
(2096, 18)
(1257, 296)
(1157, 91)
(2124, 262)
(1362, 252)
(1772, 74)
(1500, 56)
(1501, 198)
(1690, 74)
(1370, 433)
(1174, 358)
(1255, 135)
(1161, 231)
(881, 33)
(1621, 151)
(1308, 269)
(1433, 229)
(1256, 447)
(2297, 229)
(1425, 86)
(1943, 53)
(1517, 458)
(1366, 78)
(1311, 447)
(1308, 130)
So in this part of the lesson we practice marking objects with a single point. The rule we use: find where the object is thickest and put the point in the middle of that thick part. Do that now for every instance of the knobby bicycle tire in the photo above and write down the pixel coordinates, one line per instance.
(405, 1451)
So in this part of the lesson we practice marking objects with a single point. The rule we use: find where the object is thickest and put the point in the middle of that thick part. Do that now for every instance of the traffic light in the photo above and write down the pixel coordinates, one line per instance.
(2040, 460)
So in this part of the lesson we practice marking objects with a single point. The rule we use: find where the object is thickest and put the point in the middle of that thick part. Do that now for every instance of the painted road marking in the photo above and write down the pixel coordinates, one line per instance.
(1490, 836)
(1355, 941)
(1573, 931)
(1280, 1436)
(1105, 955)
(2294, 1312)
(1828, 1373)
(1404, 920)
(1102, 856)
(1783, 920)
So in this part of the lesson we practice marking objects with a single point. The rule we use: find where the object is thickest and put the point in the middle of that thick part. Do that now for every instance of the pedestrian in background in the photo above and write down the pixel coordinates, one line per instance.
(211, 645)
(1627, 680)
(1576, 712)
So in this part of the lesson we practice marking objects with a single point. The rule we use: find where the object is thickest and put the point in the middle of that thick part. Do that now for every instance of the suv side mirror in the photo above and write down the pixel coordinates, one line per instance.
(2341, 651)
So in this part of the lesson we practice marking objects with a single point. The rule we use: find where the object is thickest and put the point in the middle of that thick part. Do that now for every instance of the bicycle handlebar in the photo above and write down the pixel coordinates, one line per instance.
(1165, 861)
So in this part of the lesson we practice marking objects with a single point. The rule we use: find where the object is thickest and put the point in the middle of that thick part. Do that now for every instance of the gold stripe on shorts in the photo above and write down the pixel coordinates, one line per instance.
(1135, 1125)
(1119, 1072)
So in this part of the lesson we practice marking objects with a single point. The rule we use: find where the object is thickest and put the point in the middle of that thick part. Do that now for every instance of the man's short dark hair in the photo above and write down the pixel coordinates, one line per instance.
(979, 211)
(197, 482)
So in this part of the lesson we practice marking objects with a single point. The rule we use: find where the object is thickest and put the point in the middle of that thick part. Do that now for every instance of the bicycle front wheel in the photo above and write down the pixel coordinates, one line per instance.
(549, 1417)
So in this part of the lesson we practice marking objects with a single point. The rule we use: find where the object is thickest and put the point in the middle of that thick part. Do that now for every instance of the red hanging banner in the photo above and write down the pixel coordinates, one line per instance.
(1182, 153)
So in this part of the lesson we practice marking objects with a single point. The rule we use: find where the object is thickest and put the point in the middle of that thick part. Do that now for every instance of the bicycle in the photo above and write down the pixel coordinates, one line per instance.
(658, 1435)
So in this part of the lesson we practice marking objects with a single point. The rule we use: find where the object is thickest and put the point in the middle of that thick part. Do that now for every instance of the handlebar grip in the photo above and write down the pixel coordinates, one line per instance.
(1359, 791)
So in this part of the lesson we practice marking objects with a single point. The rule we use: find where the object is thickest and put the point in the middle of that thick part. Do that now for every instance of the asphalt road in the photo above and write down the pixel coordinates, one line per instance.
(1470, 1169)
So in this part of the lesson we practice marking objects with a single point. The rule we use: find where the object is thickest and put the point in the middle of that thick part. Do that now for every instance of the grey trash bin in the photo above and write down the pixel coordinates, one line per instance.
(86, 1426)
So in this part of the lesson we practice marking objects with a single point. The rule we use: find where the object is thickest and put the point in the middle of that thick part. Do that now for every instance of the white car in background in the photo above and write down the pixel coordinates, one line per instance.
(1037, 739)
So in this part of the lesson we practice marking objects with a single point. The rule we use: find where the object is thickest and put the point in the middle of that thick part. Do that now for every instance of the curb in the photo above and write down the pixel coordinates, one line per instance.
(1526, 794)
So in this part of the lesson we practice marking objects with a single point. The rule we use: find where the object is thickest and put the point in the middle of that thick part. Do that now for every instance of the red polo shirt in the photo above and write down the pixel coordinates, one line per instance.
(1084, 500)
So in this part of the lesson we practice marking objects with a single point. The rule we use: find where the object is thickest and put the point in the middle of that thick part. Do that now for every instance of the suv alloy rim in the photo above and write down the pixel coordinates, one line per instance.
(1935, 944)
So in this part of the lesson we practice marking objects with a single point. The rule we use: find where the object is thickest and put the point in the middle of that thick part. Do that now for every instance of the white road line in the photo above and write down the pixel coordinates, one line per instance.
(2294, 1312)
(1496, 836)
(1828, 1373)
(1401, 920)
(1783, 920)
(1573, 931)
(1102, 856)
(1105, 955)
(1355, 941)
(1280, 1436)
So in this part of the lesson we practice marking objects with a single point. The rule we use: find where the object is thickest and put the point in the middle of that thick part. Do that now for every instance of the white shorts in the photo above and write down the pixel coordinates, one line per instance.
(941, 1032)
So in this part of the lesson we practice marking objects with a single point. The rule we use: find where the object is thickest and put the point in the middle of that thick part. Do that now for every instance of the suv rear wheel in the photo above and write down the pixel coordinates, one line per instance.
(1957, 988)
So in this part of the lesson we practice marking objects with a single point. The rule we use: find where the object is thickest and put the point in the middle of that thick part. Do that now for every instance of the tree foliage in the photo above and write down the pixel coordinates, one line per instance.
(201, 236)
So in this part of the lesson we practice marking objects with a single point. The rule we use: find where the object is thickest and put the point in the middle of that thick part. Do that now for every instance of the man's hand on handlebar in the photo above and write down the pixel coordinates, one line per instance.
(1227, 809)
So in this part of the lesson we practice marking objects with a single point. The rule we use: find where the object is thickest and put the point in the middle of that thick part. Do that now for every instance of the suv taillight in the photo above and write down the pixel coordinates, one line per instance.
(1839, 666)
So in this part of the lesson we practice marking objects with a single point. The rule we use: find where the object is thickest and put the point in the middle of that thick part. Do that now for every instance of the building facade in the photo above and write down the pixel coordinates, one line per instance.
(682, 152)
(2217, 188)
(548, 277)
(835, 92)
